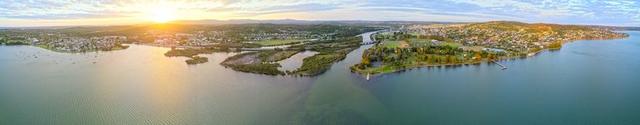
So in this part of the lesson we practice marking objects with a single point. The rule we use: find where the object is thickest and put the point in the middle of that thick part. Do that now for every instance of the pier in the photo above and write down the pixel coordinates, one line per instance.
(503, 67)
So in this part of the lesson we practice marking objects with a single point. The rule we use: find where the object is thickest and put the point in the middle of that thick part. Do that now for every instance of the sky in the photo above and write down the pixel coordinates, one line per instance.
(26, 13)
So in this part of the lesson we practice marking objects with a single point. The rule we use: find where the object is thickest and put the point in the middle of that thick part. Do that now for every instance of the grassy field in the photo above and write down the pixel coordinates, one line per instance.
(390, 44)
(394, 44)
(451, 44)
(278, 42)
(419, 42)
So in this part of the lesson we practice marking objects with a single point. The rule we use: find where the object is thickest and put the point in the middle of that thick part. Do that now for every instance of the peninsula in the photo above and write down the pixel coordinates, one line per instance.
(461, 44)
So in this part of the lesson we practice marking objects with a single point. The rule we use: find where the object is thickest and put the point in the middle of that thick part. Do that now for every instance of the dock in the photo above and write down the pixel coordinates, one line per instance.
(503, 67)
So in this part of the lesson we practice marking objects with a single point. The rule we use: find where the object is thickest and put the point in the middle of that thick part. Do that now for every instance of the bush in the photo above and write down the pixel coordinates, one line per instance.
(197, 60)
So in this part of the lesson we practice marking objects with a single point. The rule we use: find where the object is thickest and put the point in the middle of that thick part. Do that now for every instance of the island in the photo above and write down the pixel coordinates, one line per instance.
(263, 62)
(470, 43)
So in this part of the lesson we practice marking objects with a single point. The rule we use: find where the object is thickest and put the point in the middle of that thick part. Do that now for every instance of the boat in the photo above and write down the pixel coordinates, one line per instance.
(368, 76)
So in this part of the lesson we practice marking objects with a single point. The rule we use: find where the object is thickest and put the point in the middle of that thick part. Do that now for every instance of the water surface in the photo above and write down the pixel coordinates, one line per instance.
(586, 82)
(294, 62)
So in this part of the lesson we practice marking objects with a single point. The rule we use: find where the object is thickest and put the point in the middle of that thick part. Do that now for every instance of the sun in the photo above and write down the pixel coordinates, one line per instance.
(161, 14)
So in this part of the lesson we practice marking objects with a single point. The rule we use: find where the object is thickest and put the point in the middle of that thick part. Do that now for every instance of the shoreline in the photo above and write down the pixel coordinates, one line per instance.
(122, 47)
(528, 55)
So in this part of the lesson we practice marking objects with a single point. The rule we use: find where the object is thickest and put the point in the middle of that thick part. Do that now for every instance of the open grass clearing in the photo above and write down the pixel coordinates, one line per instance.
(279, 42)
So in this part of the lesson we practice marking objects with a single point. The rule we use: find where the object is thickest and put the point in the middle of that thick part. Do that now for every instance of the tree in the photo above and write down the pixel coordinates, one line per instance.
(477, 56)
(556, 45)
(366, 61)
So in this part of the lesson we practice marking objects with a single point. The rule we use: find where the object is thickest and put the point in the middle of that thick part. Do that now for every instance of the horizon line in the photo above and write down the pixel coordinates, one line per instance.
(305, 20)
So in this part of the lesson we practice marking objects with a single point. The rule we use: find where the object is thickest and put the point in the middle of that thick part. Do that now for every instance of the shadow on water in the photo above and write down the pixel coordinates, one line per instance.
(338, 97)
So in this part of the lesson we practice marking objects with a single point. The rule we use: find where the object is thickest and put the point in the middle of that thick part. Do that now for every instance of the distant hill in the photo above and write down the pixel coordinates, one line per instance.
(512, 25)
(307, 22)
(618, 28)
(292, 21)
(364, 22)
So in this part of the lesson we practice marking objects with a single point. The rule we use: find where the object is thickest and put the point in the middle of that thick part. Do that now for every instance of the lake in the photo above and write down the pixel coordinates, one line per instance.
(586, 82)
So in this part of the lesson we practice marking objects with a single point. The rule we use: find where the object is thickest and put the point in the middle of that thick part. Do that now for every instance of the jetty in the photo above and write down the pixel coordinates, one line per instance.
(503, 67)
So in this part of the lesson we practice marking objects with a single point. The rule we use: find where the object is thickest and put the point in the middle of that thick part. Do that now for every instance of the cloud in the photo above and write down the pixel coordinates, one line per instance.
(612, 12)
(562, 11)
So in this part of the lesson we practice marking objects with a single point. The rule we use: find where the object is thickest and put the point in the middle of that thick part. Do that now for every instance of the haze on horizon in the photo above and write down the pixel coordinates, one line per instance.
(21, 13)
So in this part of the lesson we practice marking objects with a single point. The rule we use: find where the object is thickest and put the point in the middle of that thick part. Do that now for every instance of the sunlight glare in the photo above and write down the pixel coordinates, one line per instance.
(162, 14)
